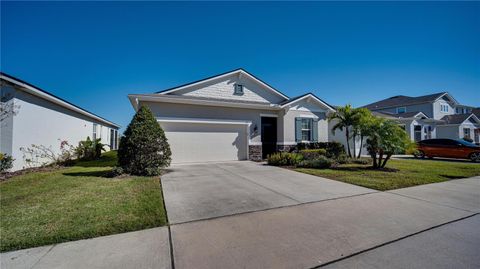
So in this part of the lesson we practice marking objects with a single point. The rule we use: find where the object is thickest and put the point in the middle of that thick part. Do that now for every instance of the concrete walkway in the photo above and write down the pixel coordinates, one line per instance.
(252, 216)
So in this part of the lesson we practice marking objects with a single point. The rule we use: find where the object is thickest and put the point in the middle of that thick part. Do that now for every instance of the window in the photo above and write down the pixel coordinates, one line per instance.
(401, 110)
(466, 132)
(443, 107)
(112, 139)
(94, 135)
(238, 89)
(306, 129)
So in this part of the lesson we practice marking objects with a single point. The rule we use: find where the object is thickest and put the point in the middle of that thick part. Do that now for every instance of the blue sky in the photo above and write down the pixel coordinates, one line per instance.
(95, 53)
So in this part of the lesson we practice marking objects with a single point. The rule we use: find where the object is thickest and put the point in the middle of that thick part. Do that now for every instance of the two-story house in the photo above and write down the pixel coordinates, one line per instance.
(436, 115)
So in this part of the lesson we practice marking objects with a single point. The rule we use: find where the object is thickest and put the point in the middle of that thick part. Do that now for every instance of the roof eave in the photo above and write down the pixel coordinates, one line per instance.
(56, 100)
(135, 99)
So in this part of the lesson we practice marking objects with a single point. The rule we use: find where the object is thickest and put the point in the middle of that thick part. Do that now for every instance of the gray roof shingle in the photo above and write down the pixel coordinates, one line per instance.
(455, 119)
(402, 100)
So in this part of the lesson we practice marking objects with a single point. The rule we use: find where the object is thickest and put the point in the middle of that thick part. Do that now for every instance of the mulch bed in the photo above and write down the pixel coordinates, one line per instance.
(7, 175)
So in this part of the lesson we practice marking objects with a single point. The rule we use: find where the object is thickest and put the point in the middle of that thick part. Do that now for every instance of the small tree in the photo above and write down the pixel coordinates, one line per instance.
(144, 149)
(346, 117)
(362, 126)
(385, 138)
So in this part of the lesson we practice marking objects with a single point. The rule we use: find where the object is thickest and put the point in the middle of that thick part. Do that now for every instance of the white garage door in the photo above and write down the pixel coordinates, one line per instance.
(206, 142)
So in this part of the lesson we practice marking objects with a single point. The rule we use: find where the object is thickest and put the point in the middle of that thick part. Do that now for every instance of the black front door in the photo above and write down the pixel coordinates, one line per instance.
(269, 136)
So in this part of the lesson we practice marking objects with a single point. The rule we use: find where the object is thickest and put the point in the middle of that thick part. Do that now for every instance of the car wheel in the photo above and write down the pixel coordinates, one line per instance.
(475, 157)
(419, 154)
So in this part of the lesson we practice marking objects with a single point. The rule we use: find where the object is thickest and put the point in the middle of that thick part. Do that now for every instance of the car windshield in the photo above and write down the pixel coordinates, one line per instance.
(466, 143)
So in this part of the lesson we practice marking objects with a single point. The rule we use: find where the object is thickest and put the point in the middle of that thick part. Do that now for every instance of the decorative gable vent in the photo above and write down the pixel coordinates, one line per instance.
(238, 89)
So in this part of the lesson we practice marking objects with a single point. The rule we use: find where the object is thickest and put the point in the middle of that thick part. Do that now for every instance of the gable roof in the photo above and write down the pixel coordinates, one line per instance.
(458, 118)
(307, 95)
(239, 71)
(32, 89)
(402, 100)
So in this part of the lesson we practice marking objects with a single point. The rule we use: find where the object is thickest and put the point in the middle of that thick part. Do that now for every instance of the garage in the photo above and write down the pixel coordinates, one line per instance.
(206, 141)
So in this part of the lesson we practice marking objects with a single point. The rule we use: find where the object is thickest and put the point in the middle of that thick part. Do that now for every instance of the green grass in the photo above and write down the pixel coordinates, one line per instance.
(75, 203)
(410, 173)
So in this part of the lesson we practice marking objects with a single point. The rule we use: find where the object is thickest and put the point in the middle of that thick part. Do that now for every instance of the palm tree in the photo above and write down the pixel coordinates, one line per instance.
(362, 126)
(346, 118)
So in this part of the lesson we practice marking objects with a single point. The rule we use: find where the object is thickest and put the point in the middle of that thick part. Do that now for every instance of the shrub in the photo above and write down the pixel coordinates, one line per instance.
(342, 159)
(90, 149)
(284, 159)
(116, 171)
(40, 155)
(6, 162)
(333, 149)
(311, 154)
(320, 163)
(468, 139)
(144, 149)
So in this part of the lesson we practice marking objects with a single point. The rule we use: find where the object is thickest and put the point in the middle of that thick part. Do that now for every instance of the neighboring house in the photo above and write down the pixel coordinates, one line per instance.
(31, 115)
(436, 115)
(234, 116)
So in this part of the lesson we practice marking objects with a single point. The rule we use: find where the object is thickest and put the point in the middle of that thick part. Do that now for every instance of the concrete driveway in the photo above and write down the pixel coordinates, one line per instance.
(205, 191)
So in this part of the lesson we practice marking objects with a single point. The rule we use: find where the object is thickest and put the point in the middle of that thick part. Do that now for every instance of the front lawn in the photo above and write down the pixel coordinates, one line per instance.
(42, 208)
(402, 173)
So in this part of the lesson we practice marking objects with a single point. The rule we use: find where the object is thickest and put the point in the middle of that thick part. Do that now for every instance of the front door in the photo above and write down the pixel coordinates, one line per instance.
(417, 132)
(269, 136)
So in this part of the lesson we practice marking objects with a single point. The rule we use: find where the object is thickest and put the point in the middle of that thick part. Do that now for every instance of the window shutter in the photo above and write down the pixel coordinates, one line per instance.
(315, 130)
(298, 129)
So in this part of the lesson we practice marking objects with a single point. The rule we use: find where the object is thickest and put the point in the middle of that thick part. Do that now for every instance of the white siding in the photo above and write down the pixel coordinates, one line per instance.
(40, 122)
(224, 89)
(438, 113)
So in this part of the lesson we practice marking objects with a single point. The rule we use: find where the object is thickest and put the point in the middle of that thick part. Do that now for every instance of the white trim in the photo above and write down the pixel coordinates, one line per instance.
(31, 90)
(308, 110)
(307, 96)
(198, 120)
(136, 98)
(254, 143)
(422, 114)
(450, 96)
(240, 72)
(269, 115)
(307, 116)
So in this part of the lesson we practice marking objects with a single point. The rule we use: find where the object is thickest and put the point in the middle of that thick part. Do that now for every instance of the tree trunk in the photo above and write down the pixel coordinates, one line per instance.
(354, 144)
(361, 145)
(374, 159)
(380, 158)
(347, 134)
(386, 159)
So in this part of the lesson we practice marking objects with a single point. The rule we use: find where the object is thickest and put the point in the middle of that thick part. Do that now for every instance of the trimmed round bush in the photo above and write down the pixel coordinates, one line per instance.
(144, 149)
(320, 163)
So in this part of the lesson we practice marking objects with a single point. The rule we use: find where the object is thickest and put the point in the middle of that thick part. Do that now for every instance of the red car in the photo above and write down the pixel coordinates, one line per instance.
(448, 148)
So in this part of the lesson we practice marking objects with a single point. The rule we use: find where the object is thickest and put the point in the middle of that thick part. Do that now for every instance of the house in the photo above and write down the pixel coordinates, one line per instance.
(234, 116)
(436, 115)
(31, 115)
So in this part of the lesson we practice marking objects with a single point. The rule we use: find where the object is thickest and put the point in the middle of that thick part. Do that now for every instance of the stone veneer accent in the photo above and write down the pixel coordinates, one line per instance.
(255, 152)
(285, 148)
